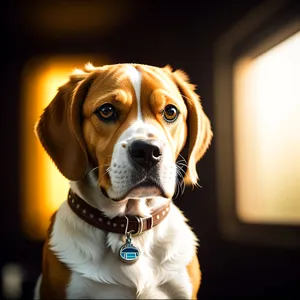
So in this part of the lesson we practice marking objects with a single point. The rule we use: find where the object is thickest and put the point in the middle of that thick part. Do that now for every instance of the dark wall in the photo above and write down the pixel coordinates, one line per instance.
(152, 32)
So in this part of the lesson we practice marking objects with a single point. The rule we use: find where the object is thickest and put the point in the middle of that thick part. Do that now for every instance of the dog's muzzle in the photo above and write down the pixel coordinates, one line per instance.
(144, 156)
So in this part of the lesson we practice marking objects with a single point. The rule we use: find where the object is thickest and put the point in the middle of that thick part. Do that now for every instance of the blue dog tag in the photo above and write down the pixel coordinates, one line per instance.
(128, 252)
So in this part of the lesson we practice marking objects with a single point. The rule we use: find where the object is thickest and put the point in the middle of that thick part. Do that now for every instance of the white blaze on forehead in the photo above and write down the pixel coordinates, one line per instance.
(136, 79)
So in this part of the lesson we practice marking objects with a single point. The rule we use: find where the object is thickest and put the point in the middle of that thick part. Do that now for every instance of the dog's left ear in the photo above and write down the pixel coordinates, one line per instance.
(199, 128)
(59, 128)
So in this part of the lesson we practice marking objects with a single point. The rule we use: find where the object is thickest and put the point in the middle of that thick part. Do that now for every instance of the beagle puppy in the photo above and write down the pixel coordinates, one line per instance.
(116, 133)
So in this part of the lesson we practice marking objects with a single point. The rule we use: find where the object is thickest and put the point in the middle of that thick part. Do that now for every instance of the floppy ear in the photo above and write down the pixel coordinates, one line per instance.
(199, 128)
(59, 128)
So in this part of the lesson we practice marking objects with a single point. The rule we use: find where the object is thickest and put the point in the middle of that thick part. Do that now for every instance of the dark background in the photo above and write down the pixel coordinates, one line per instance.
(182, 34)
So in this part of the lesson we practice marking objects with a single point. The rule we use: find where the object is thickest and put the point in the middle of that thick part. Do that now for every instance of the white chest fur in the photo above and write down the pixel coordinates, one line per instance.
(92, 255)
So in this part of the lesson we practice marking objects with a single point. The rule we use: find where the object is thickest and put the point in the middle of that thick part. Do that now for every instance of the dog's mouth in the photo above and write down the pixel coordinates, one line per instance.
(144, 189)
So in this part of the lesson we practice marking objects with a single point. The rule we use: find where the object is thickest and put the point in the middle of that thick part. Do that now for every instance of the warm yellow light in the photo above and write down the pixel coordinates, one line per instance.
(43, 187)
(267, 135)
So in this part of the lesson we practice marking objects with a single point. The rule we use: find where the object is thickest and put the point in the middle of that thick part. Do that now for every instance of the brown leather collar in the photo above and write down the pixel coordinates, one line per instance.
(134, 224)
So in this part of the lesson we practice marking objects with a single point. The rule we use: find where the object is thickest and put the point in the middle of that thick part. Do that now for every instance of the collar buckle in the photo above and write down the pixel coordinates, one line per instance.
(140, 222)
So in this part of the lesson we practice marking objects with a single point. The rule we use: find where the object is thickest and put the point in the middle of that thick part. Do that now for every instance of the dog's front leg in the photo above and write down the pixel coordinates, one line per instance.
(195, 275)
(179, 287)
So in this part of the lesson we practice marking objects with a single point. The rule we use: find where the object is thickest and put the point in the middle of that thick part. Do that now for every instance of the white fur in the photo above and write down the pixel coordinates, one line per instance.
(97, 272)
(121, 167)
(136, 79)
(92, 255)
(121, 163)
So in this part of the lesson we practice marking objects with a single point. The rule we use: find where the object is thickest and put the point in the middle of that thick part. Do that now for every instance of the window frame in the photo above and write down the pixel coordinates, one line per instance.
(260, 30)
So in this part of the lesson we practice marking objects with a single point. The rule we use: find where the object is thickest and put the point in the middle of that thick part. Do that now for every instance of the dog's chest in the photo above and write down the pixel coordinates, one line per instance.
(144, 288)
(97, 271)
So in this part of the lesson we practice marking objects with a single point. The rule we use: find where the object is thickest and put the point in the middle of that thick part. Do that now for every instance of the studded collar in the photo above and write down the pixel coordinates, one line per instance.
(125, 224)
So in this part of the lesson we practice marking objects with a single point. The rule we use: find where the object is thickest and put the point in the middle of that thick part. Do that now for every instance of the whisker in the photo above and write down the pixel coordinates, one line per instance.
(105, 172)
(183, 187)
(106, 165)
(182, 157)
(181, 162)
(93, 170)
(176, 189)
(180, 185)
(180, 169)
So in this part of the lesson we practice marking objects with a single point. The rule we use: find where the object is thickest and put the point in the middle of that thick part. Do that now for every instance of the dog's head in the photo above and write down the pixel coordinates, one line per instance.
(131, 121)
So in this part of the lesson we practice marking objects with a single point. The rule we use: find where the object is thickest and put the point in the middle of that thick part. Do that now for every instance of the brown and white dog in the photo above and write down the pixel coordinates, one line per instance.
(116, 132)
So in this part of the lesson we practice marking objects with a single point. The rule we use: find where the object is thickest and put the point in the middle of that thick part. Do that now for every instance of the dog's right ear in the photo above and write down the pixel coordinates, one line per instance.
(59, 127)
(199, 128)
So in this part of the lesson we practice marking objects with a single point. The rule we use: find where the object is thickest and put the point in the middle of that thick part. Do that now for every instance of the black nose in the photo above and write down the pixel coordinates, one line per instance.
(145, 154)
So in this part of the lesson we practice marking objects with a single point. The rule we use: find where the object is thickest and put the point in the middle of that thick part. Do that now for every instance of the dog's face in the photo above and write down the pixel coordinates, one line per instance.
(131, 122)
(134, 124)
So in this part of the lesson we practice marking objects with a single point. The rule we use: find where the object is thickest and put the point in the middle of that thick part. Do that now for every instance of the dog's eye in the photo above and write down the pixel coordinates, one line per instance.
(170, 113)
(106, 112)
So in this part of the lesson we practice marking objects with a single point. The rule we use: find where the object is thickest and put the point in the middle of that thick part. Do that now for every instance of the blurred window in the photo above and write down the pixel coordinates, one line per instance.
(43, 187)
(266, 122)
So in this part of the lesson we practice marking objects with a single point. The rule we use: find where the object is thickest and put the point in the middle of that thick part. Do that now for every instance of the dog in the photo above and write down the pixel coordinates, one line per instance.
(116, 133)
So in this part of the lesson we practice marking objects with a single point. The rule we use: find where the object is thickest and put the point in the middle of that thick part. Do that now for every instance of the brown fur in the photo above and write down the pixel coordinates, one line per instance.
(195, 275)
(73, 136)
(55, 274)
